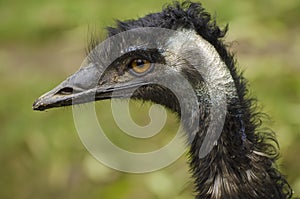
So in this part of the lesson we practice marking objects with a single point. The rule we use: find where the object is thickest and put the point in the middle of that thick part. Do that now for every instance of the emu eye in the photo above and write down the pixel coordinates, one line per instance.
(140, 66)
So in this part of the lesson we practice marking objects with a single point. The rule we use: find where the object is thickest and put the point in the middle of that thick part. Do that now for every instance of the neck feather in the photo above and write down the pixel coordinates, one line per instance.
(241, 163)
(240, 160)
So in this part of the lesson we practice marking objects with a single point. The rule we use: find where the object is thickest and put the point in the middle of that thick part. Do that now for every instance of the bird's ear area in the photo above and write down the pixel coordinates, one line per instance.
(192, 74)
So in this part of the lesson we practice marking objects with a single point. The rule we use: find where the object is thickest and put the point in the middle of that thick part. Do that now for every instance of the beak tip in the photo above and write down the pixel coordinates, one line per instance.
(38, 105)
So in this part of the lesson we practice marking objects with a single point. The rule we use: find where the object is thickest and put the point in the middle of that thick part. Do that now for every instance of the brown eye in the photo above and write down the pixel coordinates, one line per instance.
(140, 66)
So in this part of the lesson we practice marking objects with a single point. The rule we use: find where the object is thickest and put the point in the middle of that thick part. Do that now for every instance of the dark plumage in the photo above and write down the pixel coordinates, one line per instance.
(241, 165)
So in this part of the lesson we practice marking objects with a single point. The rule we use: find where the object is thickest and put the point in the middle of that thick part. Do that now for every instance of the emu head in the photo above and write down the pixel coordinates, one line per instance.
(174, 58)
(152, 65)
(182, 42)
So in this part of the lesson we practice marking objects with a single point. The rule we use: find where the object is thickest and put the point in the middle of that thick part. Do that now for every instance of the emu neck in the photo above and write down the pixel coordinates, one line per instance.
(237, 166)
(223, 170)
(240, 163)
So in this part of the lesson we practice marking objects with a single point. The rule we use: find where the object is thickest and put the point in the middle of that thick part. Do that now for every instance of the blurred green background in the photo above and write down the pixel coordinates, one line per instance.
(41, 42)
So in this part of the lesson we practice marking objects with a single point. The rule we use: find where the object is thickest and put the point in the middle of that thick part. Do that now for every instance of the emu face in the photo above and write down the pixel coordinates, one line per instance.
(140, 72)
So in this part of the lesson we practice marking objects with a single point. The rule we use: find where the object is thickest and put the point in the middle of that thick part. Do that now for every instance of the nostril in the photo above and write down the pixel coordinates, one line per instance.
(65, 91)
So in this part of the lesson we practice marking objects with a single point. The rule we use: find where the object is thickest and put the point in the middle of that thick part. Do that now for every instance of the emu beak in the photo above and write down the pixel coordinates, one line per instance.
(82, 87)
(75, 89)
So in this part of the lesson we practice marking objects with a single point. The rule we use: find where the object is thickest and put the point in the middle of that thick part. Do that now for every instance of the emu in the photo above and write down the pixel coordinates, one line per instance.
(241, 163)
